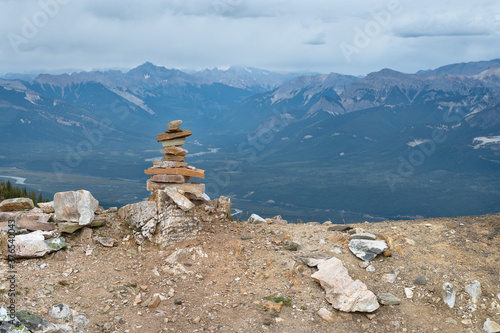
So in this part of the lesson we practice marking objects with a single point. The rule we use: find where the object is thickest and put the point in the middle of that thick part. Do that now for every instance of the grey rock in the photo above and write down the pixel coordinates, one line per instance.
(75, 206)
(371, 268)
(389, 278)
(364, 235)
(61, 312)
(449, 294)
(7, 327)
(364, 264)
(388, 299)
(68, 227)
(339, 227)
(79, 323)
(16, 204)
(420, 281)
(8, 322)
(256, 219)
(36, 323)
(15, 230)
(474, 290)
(342, 291)
(106, 241)
(490, 326)
(292, 246)
(367, 250)
(313, 262)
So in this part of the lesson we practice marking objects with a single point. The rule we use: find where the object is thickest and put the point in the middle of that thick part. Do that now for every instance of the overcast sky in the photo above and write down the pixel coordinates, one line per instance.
(350, 37)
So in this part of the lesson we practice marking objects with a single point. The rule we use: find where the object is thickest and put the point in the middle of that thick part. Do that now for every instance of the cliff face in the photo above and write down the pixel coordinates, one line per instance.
(236, 276)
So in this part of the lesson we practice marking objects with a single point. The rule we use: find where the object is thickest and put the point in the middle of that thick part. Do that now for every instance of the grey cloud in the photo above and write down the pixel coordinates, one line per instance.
(318, 39)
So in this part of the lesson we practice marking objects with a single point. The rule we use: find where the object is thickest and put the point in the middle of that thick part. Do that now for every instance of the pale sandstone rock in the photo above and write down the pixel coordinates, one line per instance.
(16, 204)
(75, 206)
(326, 315)
(68, 227)
(254, 218)
(168, 178)
(34, 221)
(47, 207)
(168, 164)
(35, 244)
(179, 198)
(490, 326)
(342, 291)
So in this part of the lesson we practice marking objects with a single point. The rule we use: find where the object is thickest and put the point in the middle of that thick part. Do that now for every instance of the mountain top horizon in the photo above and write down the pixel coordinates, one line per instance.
(463, 68)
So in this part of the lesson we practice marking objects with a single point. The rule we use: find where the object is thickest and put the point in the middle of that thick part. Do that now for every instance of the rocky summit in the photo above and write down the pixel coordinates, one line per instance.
(162, 265)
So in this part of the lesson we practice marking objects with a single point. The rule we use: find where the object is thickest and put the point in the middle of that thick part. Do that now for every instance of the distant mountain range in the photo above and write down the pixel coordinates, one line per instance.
(387, 144)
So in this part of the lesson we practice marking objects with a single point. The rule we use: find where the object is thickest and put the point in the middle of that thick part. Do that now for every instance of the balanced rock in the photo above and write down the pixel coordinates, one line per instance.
(10, 205)
(75, 206)
(173, 158)
(342, 291)
(168, 179)
(174, 142)
(174, 125)
(174, 135)
(178, 151)
(367, 250)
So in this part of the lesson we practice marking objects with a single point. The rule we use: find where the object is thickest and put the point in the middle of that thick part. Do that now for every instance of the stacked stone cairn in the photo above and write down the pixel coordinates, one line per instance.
(172, 173)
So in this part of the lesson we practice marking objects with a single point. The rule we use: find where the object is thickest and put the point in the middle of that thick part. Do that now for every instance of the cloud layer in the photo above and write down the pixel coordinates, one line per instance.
(320, 35)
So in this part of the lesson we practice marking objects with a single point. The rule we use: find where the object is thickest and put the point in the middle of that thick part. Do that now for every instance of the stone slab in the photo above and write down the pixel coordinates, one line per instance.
(34, 221)
(169, 179)
(174, 142)
(168, 164)
(179, 198)
(174, 151)
(176, 171)
(9, 205)
(173, 135)
(173, 158)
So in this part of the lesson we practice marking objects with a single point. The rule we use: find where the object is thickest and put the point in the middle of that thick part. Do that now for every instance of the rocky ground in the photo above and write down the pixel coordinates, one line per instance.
(244, 277)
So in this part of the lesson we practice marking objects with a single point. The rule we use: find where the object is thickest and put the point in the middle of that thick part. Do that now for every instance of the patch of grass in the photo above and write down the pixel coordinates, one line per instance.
(278, 299)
